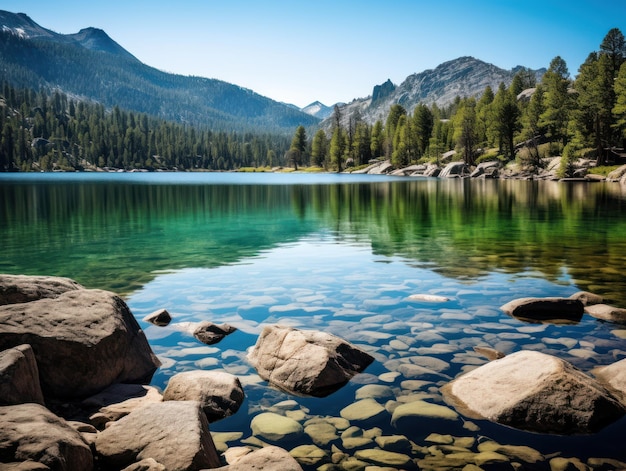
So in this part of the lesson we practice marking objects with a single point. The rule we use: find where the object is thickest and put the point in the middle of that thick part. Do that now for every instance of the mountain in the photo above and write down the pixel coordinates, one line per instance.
(89, 64)
(319, 110)
(462, 77)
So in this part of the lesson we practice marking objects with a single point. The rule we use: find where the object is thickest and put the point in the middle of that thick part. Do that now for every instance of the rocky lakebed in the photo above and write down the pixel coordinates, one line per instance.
(76, 370)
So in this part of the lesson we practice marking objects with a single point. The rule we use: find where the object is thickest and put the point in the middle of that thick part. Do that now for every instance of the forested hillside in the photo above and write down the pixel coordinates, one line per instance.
(44, 132)
(91, 65)
(581, 117)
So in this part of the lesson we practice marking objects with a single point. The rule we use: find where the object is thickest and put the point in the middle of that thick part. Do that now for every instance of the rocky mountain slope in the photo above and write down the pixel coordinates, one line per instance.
(463, 77)
(91, 65)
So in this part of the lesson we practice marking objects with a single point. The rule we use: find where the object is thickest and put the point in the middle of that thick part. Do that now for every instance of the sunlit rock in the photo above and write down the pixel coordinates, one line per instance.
(607, 313)
(30, 432)
(534, 391)
(545, 309)
(119, 400)
(174, 433)
(614, 377)
(305, 361)
(220, 394)
(84, 340)
(16, 289)
(588, 298)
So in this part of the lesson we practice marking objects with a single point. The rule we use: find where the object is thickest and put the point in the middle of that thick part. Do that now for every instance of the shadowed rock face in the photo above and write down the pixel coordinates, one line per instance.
(306, 362)
(83, 340)
(536, 392)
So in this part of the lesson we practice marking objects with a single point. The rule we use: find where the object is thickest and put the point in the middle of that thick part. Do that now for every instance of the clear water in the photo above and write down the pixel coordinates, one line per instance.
(337, 253)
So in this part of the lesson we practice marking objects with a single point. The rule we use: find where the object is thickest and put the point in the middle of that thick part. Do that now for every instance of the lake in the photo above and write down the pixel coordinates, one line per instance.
(342, 254)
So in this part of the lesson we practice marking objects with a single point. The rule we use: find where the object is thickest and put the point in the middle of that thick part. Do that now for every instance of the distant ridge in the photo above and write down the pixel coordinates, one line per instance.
(91, 65)
(462, 77)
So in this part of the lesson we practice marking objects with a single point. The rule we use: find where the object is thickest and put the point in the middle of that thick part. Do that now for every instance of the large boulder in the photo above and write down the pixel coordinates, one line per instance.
(220, 393)
(305, 361)
(84, 340)
(175, 434)
(19, 377)
(30, 432)
(545, 309)
(16, 289)
(537, 392)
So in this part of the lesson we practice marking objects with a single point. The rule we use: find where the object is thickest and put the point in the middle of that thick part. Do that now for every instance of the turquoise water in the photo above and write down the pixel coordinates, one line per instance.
(342, 254)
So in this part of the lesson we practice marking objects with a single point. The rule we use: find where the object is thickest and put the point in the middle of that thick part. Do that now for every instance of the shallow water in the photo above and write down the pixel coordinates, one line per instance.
(342, 254)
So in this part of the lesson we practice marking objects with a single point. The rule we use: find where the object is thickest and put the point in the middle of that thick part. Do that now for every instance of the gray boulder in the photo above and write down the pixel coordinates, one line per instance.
(210, 333)
(533, 391)
(545, 309)
(305, 361)
(84, 340)
(16, 289)
(19, 377)
(159, 318)
(607, 313)
(268, 458)
(30, 432)
(220, 393)
(174, 434)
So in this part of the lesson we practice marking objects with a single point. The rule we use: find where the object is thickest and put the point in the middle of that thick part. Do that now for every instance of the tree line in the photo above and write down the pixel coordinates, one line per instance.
(48, 130)
(43, 130)
(585, 117)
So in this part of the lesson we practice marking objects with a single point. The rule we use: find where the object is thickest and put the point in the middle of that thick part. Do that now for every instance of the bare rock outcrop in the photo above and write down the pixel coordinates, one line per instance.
(533, 391)
(84, 340)
(30, 432)
(305, 361)
(175, 434)
(220, 393)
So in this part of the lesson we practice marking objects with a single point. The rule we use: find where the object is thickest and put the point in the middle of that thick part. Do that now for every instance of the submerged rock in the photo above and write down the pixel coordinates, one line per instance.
(269, 458)
(545, 309)
(537, 392)
(274, 427)
(305, 361)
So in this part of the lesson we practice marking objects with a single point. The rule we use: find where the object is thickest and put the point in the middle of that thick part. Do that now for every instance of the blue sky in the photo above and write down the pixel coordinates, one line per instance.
(334, 50)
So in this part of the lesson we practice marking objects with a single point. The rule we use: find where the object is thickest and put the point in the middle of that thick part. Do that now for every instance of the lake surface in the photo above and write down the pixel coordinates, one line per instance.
(343, 254)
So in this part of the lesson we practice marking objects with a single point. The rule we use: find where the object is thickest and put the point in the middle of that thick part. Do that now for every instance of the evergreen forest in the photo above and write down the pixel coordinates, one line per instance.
(44, 130)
